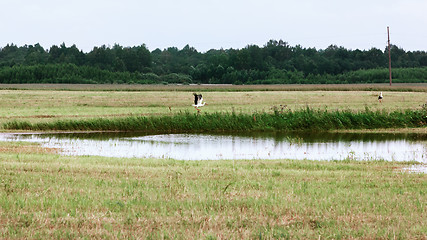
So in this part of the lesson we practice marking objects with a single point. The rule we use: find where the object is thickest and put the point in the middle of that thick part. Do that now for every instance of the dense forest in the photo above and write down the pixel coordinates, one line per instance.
(274, 63)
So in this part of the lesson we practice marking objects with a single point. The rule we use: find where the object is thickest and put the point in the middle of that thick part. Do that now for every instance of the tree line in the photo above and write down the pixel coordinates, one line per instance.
(274, 63)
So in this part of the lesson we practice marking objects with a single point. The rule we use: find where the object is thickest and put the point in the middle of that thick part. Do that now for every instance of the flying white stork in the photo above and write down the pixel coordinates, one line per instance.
(380, 97)
(198, 101)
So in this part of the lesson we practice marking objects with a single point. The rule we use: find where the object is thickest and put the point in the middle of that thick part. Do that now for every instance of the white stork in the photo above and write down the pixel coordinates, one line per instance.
(380, 97)
(198, 101)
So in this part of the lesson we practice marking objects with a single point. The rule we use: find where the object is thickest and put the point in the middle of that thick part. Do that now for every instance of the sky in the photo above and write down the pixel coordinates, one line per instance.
(214, 24)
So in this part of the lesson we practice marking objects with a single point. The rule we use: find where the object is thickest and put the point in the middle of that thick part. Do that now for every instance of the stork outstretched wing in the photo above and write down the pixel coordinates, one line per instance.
(198, 100)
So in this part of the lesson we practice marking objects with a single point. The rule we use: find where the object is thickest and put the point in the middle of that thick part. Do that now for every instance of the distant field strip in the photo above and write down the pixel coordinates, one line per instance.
(400, 87)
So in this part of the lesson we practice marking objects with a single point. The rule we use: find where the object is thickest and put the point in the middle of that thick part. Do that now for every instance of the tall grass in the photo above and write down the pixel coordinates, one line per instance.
(306, 119)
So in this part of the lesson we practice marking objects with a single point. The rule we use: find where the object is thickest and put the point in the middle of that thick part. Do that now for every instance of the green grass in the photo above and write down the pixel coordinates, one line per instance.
(52, 105)
(44, 195)
(279, 120)
(47, 196)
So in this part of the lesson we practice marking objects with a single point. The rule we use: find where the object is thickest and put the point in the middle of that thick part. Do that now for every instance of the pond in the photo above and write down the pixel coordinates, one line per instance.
(311, 146)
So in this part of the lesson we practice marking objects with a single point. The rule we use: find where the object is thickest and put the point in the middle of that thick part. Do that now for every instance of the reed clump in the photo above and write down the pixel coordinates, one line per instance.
(305, 119)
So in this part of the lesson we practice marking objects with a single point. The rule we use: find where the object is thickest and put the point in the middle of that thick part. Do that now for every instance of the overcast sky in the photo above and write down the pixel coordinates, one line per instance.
(207, 24)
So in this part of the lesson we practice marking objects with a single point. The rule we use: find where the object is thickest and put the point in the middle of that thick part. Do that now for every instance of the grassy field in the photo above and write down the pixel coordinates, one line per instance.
(44, 195)
(47, 196)
(399, 87)
(50, 105)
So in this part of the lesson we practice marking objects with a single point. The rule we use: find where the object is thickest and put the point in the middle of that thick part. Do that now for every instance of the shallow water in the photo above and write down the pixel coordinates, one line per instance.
(311, 146)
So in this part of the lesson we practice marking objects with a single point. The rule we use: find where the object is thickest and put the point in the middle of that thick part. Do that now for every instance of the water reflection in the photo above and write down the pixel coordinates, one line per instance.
(312, 146)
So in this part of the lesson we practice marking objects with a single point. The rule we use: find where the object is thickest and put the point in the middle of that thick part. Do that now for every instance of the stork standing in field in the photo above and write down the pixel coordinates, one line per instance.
(198, 101)
(380, 97)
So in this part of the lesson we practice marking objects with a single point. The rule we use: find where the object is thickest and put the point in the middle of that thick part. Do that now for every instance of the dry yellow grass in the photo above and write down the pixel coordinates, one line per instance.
(44, 105)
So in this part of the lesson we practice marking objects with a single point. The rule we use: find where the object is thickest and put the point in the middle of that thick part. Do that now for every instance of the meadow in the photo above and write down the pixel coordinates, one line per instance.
(44, 103)
(45, 195)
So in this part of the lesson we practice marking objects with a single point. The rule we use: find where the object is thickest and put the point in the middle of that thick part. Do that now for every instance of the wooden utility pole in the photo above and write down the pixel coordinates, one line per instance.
(389, 54)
